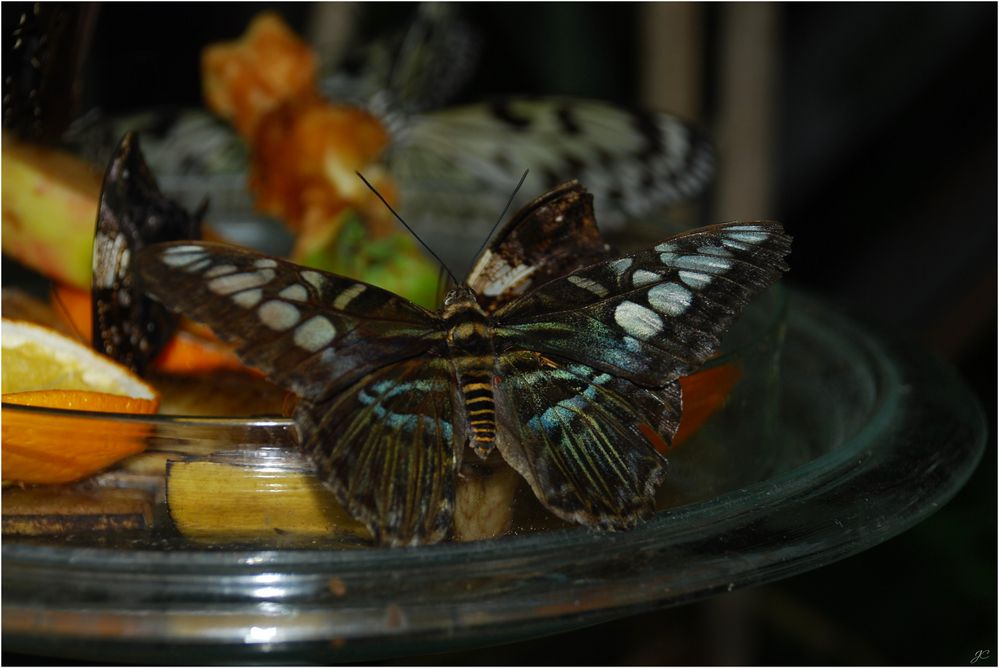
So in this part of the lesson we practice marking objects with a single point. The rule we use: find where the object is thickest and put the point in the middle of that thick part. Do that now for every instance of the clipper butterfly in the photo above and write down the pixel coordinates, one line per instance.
(553, 352)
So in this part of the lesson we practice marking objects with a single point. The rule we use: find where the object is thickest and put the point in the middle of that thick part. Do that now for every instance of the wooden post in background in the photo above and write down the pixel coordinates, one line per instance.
(744, 128)
(672, 77)
(330, 27)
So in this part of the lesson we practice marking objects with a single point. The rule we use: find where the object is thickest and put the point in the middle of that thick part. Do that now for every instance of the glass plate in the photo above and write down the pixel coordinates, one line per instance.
(872, 434)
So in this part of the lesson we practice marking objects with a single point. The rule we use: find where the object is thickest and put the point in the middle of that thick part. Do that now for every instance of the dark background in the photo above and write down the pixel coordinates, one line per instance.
(885, 159)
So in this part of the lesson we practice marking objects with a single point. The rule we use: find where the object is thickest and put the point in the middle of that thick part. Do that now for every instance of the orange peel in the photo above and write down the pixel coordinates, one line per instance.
(44, 368)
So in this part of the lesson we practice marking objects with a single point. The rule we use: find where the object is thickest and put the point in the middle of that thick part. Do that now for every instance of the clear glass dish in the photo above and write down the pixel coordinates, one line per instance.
(872, 435)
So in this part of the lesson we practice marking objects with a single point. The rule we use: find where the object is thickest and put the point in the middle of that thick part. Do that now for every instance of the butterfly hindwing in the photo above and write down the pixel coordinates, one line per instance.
(389, 446)
(583, 439)
(312, 332)
(127, 325)
(654, 315)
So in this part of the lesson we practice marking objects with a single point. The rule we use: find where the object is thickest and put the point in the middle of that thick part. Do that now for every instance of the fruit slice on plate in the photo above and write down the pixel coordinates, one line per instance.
(188, 352)
(44, 368)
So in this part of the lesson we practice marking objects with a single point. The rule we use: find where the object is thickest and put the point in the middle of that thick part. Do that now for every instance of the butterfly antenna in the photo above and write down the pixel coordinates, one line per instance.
(505, 209)
(442, 285)
(406, 225)
(65, 313)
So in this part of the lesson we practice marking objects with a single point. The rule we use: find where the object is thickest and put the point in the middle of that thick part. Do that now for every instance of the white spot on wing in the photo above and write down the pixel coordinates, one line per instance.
(126, 256)
(506, 278)
(737, 245)
(717, 251)
(220, 270)
(113, 247)
(348, 295)
(226, 285)
(294, 292)
(588, 285)
(480, 266)
(747, 234)
(278, 315)
(178, 256)
(198, 266)
(314, 333)
(695, 279)
(620, 266)
(643, 277)
(181, 250)
(670, 298)
(314, 278)
(265, 263)
(637, 320)
(703, 263)
(248, 298)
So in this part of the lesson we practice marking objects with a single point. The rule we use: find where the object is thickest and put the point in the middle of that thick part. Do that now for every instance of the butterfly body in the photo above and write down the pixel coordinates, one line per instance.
(565, 361)
(472, 355)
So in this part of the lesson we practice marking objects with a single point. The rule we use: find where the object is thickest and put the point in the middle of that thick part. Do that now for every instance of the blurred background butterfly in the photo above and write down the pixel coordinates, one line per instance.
(298, 140)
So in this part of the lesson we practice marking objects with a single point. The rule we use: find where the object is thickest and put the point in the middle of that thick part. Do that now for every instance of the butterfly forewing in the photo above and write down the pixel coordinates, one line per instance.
(128, 326)
(390, 448)
(654, 315)
(550, 237)
(584, 439)
(311, 332)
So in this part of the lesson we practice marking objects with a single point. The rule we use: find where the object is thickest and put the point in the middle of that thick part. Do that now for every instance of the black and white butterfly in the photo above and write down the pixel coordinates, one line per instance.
(562, 358)
(127, 325)
(446, 161)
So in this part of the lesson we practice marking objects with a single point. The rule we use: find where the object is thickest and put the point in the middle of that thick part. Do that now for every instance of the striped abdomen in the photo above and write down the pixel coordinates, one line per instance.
(480, 408)
(469, 339)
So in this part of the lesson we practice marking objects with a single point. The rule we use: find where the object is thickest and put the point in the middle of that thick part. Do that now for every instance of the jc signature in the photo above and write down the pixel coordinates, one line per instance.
(981, 655)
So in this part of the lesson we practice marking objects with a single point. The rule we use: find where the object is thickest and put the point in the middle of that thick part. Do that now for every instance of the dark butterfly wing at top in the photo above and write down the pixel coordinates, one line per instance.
(312, 332)
(654, 315)
(550, 237)
(128, 326)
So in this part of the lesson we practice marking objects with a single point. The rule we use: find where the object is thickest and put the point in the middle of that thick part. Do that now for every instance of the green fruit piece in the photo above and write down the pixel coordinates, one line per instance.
(49, 210)
(394, 263)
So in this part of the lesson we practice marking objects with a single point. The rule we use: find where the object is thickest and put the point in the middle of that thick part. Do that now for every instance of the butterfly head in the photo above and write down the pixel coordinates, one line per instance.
(459, 300)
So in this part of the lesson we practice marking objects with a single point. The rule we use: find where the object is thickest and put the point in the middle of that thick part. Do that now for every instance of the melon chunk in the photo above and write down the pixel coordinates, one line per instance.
(49, 210)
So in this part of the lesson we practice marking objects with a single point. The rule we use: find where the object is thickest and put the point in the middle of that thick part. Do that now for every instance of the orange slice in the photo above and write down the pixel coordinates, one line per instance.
(44, 368)
(188, 352)
(703, 394)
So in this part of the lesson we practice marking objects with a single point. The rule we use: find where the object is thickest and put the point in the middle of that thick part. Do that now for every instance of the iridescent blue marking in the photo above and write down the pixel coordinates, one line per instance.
(402, 421)
(569, 408)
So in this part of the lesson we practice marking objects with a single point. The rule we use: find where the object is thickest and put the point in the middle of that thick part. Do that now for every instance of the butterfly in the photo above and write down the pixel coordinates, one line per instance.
(635, 161)
(445, 161)
(558, 355)
(127, 325)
